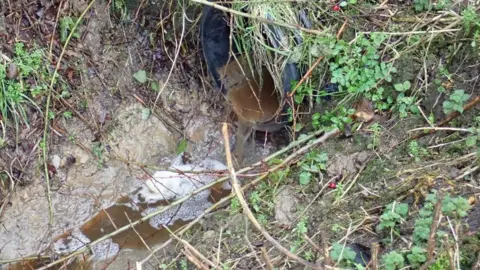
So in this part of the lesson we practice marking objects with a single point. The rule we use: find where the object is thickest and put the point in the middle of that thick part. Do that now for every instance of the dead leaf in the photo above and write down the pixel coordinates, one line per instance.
(472, 200)
(448, 84)
(363, 110)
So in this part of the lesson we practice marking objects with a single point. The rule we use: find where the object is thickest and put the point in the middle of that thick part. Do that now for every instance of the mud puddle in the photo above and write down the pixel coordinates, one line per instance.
(135, 206)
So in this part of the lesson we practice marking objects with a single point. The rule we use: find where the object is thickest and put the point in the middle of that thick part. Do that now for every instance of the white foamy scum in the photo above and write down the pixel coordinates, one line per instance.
(77, 240)
(169, 185)
(188, 210)
(105, 249)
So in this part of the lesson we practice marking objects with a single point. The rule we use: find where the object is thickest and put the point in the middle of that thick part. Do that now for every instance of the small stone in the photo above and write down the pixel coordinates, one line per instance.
(12, 71)
(285, 203)
(454, 172)
(56, 161)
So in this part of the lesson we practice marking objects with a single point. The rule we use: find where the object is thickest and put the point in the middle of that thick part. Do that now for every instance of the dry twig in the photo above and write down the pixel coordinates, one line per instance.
(190, 248)
(375, 250)
(433, 229)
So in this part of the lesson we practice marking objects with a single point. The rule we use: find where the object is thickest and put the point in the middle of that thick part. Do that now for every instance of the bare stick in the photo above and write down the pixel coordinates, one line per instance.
(310, 70)
(47, 110)
(266, 258)
(179, 46)
(449, 252)
(193, 259)
(190, 248)
(237, 188)
(375, 249)
(327, 261)
(434, 226)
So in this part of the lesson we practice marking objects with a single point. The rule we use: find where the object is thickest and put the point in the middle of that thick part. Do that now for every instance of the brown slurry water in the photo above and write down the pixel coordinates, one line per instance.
(253, 101)
(253, 104)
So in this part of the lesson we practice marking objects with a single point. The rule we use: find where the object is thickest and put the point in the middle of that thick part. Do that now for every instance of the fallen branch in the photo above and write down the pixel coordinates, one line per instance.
(248, 212)
(188, 254)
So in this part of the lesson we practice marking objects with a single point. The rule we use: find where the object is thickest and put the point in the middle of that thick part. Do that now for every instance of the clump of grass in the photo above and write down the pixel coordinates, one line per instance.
(267, 45)
(20, 80)
(24, 81)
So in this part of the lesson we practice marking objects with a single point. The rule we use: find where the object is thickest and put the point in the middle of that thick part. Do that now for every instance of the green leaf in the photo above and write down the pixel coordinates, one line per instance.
(298, 127)
(339, 253)
(402, 209)
(140, 76)
(406, 85)
(182, 146)
(471, 141)
(393, 260)
(155, 86)
(305, 178)
(398, 87)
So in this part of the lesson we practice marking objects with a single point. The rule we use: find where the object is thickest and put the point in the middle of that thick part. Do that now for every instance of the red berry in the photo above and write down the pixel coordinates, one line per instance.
(332, 185)
(336, 8)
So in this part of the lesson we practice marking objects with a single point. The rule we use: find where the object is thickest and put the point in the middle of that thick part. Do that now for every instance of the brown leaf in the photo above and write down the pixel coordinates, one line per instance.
(363, 110)
(472, 200)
